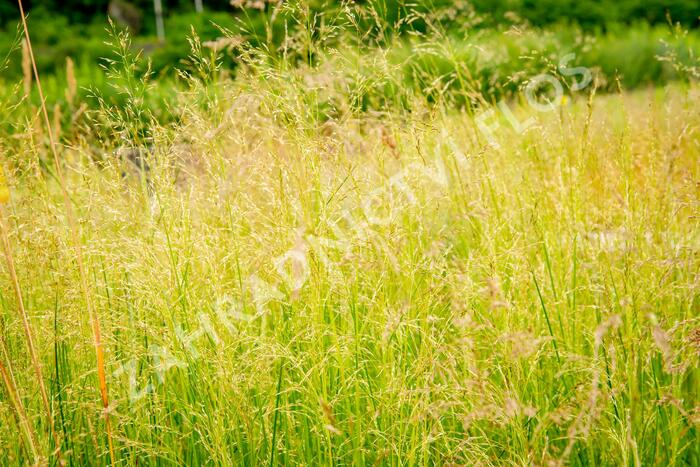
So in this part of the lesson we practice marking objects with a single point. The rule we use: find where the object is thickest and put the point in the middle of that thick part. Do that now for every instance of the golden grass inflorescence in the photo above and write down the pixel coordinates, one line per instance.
(283, 277)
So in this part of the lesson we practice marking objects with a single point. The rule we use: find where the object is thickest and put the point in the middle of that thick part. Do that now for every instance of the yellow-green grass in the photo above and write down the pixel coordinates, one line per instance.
(382, 289)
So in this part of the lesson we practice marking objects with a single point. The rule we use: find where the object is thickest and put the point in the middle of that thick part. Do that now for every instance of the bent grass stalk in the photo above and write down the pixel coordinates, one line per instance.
(20, 413)
(75, 237)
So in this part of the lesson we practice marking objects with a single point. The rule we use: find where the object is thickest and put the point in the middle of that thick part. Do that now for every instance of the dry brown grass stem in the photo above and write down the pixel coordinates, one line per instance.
(26, 69)
(71, 83)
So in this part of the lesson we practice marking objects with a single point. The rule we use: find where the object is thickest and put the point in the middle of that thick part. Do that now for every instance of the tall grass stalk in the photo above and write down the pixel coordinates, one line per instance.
(20, 414)
(26, 326)
(77, 245)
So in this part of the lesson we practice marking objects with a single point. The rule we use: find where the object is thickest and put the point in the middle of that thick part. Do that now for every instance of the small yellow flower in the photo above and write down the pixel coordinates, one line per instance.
(4, 190)
(564, 100)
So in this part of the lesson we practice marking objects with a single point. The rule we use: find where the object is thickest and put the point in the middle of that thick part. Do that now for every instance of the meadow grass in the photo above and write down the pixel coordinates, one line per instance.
(282, 278)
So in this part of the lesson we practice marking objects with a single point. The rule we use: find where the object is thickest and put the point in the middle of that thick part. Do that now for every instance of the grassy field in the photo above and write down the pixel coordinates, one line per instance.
(279, 277)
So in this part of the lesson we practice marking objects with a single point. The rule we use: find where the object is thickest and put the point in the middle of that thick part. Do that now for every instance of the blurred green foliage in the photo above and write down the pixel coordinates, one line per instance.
(538, 12)
(472, 50)
(595, 13)
(76, 28)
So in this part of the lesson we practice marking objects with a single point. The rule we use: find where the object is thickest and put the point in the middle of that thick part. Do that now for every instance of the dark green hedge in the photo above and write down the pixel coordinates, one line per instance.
(586, 13)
